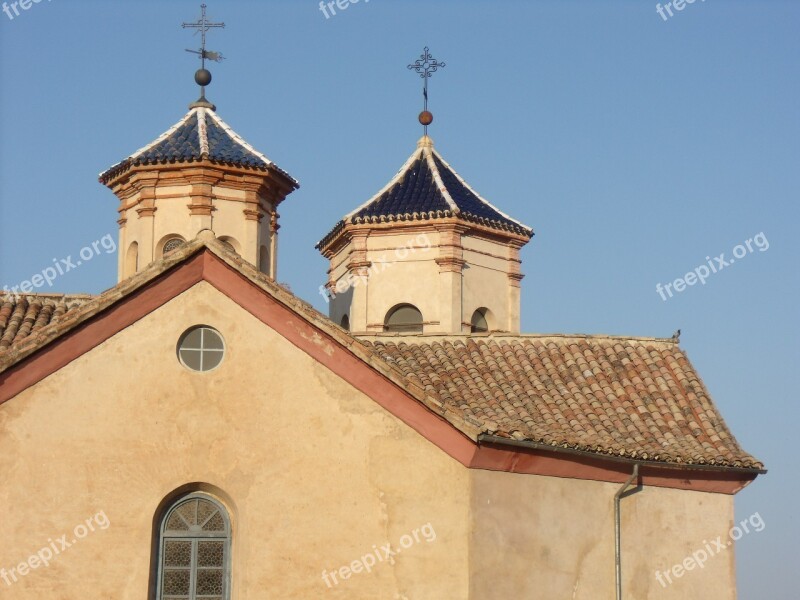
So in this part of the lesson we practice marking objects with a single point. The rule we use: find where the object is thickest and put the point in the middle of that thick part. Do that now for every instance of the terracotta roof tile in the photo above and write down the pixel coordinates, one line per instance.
(638, 398)
(629, 397)
(21, 316)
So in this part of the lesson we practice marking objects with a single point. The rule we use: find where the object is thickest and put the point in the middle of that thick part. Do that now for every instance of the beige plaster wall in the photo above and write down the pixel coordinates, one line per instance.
(172, 218)
(403, 271)
(413, 277)
(315, 472)
(546, 538)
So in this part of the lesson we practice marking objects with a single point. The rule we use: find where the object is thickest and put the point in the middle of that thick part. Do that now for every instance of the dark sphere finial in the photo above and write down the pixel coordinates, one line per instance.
(202, 77)
(426, 118)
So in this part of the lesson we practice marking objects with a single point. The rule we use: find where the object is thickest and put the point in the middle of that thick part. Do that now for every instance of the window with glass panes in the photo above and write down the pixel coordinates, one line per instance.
(201, 349)
(195, 551)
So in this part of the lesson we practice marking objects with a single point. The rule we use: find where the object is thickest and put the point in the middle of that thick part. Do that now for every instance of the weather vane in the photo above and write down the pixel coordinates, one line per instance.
(203, 75)
(426, 66)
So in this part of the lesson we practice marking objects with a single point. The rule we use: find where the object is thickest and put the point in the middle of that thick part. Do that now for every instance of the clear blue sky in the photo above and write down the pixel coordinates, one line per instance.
(634, 146)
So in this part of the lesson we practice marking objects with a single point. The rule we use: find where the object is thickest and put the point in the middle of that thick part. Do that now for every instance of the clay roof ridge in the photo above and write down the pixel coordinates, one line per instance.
(49, 296)
(504, 336)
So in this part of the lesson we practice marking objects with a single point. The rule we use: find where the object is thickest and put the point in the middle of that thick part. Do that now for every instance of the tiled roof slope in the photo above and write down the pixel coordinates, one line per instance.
(425, 188)
(639, 399)
(634, 398)
(22, 316)
(201, 134)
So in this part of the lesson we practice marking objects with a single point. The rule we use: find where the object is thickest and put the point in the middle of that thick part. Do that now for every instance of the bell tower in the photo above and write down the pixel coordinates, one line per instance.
(427, 254)
(199, 174)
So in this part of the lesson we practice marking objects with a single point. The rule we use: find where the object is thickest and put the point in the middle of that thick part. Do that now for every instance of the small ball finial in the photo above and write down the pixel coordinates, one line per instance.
(202, 77)
(425, 118)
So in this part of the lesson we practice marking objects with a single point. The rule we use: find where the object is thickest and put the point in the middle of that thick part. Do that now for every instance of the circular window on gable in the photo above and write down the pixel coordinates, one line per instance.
(201, 349)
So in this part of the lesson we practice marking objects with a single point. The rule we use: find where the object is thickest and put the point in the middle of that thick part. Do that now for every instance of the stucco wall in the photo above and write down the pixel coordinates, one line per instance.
(316, 473)
(403, 271)
(553, 538)
(315, 476)
(399, 275)
(172, 218)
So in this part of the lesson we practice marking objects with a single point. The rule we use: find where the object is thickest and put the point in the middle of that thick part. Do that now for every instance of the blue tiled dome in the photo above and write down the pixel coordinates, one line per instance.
(426, 188)
(200, 135)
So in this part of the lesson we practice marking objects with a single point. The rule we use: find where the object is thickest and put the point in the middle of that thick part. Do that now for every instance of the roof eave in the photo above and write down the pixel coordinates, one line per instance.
(487, 438)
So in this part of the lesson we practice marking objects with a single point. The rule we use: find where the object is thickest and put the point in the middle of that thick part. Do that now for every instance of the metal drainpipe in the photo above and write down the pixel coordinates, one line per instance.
(617, 535)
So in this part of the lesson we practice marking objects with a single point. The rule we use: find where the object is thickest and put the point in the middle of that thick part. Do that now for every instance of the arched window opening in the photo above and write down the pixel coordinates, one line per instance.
(404, 318)
(263, 260)
(194, 550)
(230, 243)
(172, 244)
(132, 259)
(479, 323)
(346, 323)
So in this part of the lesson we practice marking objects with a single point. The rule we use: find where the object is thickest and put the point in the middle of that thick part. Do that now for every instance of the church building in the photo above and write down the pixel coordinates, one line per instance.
(198, 431)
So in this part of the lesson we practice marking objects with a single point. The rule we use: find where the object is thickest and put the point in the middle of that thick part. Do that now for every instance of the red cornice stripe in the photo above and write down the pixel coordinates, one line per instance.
(340, 360)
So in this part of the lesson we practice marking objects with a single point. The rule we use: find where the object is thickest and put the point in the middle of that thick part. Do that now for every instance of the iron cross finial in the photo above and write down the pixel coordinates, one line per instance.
(203, 26)
(203, 76)
(426, 66)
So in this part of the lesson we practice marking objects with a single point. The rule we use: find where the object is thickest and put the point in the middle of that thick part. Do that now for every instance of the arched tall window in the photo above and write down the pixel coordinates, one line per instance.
(194, 550)
(263, 260)
(132, 259)
(230, 243)
(346, 323)
(404, 318)
(479, 323)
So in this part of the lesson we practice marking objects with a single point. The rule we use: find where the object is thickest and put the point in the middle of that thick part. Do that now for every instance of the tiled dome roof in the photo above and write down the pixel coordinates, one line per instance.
(201, 134)
(426, 187)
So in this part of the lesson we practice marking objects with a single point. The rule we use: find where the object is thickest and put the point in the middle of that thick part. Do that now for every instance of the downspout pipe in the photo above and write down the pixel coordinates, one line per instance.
(617, 533)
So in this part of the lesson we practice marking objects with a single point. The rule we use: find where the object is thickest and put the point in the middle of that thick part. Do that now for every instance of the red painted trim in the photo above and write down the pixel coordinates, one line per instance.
(99, 328)
(330, 353)
(495, 457)
(341, 361)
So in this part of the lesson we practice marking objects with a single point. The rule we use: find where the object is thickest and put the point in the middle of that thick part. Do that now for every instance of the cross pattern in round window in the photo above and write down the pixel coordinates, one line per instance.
(201, 349)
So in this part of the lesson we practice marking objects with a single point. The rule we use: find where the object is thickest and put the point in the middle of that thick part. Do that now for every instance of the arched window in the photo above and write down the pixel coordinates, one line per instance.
(132, 259)
(479, 323)
(194, 550)
(346, 323)
(171, 244)
(263, 260)
(230, 243)
(404, 318)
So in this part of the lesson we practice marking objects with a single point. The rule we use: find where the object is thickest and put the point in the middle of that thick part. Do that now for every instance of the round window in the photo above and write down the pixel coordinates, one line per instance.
(201, 349)
(172, 244)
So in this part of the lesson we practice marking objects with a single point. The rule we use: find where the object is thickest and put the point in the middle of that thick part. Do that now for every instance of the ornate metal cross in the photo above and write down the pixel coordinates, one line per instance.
(426, 66)
(203, 26)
